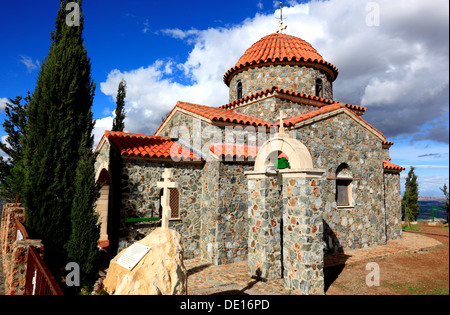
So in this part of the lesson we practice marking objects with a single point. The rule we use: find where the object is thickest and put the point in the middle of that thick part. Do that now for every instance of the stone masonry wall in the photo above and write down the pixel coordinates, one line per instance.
(232, 225)
(293, 78)
(339, 140)
(141, 199)
(393, 204)
(303, 204)
(224, 228)
(14, 251)
(269, 109)
(265, 227)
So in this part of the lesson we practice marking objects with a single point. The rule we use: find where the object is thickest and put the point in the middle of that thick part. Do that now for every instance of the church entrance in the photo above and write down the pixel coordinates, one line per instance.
(104, 208)
(285, 216)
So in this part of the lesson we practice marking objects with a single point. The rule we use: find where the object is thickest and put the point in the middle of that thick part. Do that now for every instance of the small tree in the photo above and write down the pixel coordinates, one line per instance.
(119, 120)
(447, 203)
(410, 201)
(11, 169)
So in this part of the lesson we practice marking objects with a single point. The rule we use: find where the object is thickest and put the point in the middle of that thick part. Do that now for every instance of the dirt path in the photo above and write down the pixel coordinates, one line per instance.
(420, 272)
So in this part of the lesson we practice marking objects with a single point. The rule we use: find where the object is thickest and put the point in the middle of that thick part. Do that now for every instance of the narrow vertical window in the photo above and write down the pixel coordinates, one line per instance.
(174, 203)
(319, 88)
(239, 90)
(342, 193)
(344, 186)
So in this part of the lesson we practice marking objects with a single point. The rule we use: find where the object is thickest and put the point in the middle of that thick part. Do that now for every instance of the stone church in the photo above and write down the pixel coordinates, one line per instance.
(226, 208)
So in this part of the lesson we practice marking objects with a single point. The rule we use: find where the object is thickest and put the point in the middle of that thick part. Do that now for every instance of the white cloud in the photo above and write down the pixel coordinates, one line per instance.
(3, 102)
(260, 5)
(399, 67)
(29, 63)
(100, 126)
(435, 167)
(179, 34)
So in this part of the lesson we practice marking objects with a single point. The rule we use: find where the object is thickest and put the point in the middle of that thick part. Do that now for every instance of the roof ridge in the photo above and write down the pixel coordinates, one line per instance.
(255, 96)
(134, 135)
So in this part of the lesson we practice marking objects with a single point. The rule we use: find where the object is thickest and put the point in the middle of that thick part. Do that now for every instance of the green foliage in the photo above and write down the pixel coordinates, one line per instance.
(410, 228)
(11, 169)
(410, 201)
(119, 120)
(58, 190)
(447, 203)
(82, 245)
(437, 288)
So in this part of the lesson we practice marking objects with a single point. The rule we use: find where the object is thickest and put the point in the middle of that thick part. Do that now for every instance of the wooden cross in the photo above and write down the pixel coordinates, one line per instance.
(281, 130)
(165, 199)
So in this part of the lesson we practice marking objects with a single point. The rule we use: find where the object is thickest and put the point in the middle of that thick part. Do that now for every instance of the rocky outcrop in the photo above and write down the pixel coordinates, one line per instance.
(160, 272)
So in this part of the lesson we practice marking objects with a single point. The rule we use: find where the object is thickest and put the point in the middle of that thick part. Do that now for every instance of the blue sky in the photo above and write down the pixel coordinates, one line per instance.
(180, 50)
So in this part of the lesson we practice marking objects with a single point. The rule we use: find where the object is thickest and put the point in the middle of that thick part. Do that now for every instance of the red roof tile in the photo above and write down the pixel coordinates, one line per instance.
(281, 47)
(289, 122)
(291, 93)
(324, 110)
(388, 166)
(222, 115)
(138, 145)
(235, 151)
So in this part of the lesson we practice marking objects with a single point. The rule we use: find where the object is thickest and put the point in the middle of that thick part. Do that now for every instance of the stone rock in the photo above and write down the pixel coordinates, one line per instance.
(160, 272)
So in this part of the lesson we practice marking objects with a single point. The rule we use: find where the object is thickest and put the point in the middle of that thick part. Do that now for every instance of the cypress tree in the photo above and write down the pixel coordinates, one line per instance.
(59, 120)
(82, 245)
(410, 201)
(119, 124)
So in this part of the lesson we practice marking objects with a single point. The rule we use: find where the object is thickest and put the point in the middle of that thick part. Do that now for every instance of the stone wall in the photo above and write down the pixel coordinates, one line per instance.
(213, 206)
(294, 78)
(269, 108)
(14, 250)
(286, 230)
(393, 204)
(232, 225)
(303, 205)
(339, 140)
(141, 199)
(224, 228)
(265, 227)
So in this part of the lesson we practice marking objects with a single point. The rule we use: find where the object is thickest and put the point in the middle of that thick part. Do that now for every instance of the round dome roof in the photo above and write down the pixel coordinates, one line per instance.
(281, 48)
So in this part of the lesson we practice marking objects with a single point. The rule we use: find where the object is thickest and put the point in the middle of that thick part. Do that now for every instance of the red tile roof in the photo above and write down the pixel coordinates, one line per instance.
(138, 145)
(290, 122)
(291, 93)
(281, 47)
(235, 151)
(221, 115)
(388, 166)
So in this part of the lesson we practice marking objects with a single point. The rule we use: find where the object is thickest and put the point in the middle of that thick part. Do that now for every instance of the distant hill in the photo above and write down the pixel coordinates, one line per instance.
(437, 203)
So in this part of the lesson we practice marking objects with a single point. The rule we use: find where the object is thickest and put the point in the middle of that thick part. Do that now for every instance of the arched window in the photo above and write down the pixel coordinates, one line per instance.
(239, 90)
(344, 186)
(319, 88)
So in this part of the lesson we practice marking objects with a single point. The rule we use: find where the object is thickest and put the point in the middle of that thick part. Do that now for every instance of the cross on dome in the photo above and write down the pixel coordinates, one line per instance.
(281, 26)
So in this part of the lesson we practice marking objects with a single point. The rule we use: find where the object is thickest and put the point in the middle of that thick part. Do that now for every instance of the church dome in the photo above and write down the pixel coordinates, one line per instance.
(279, 48)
